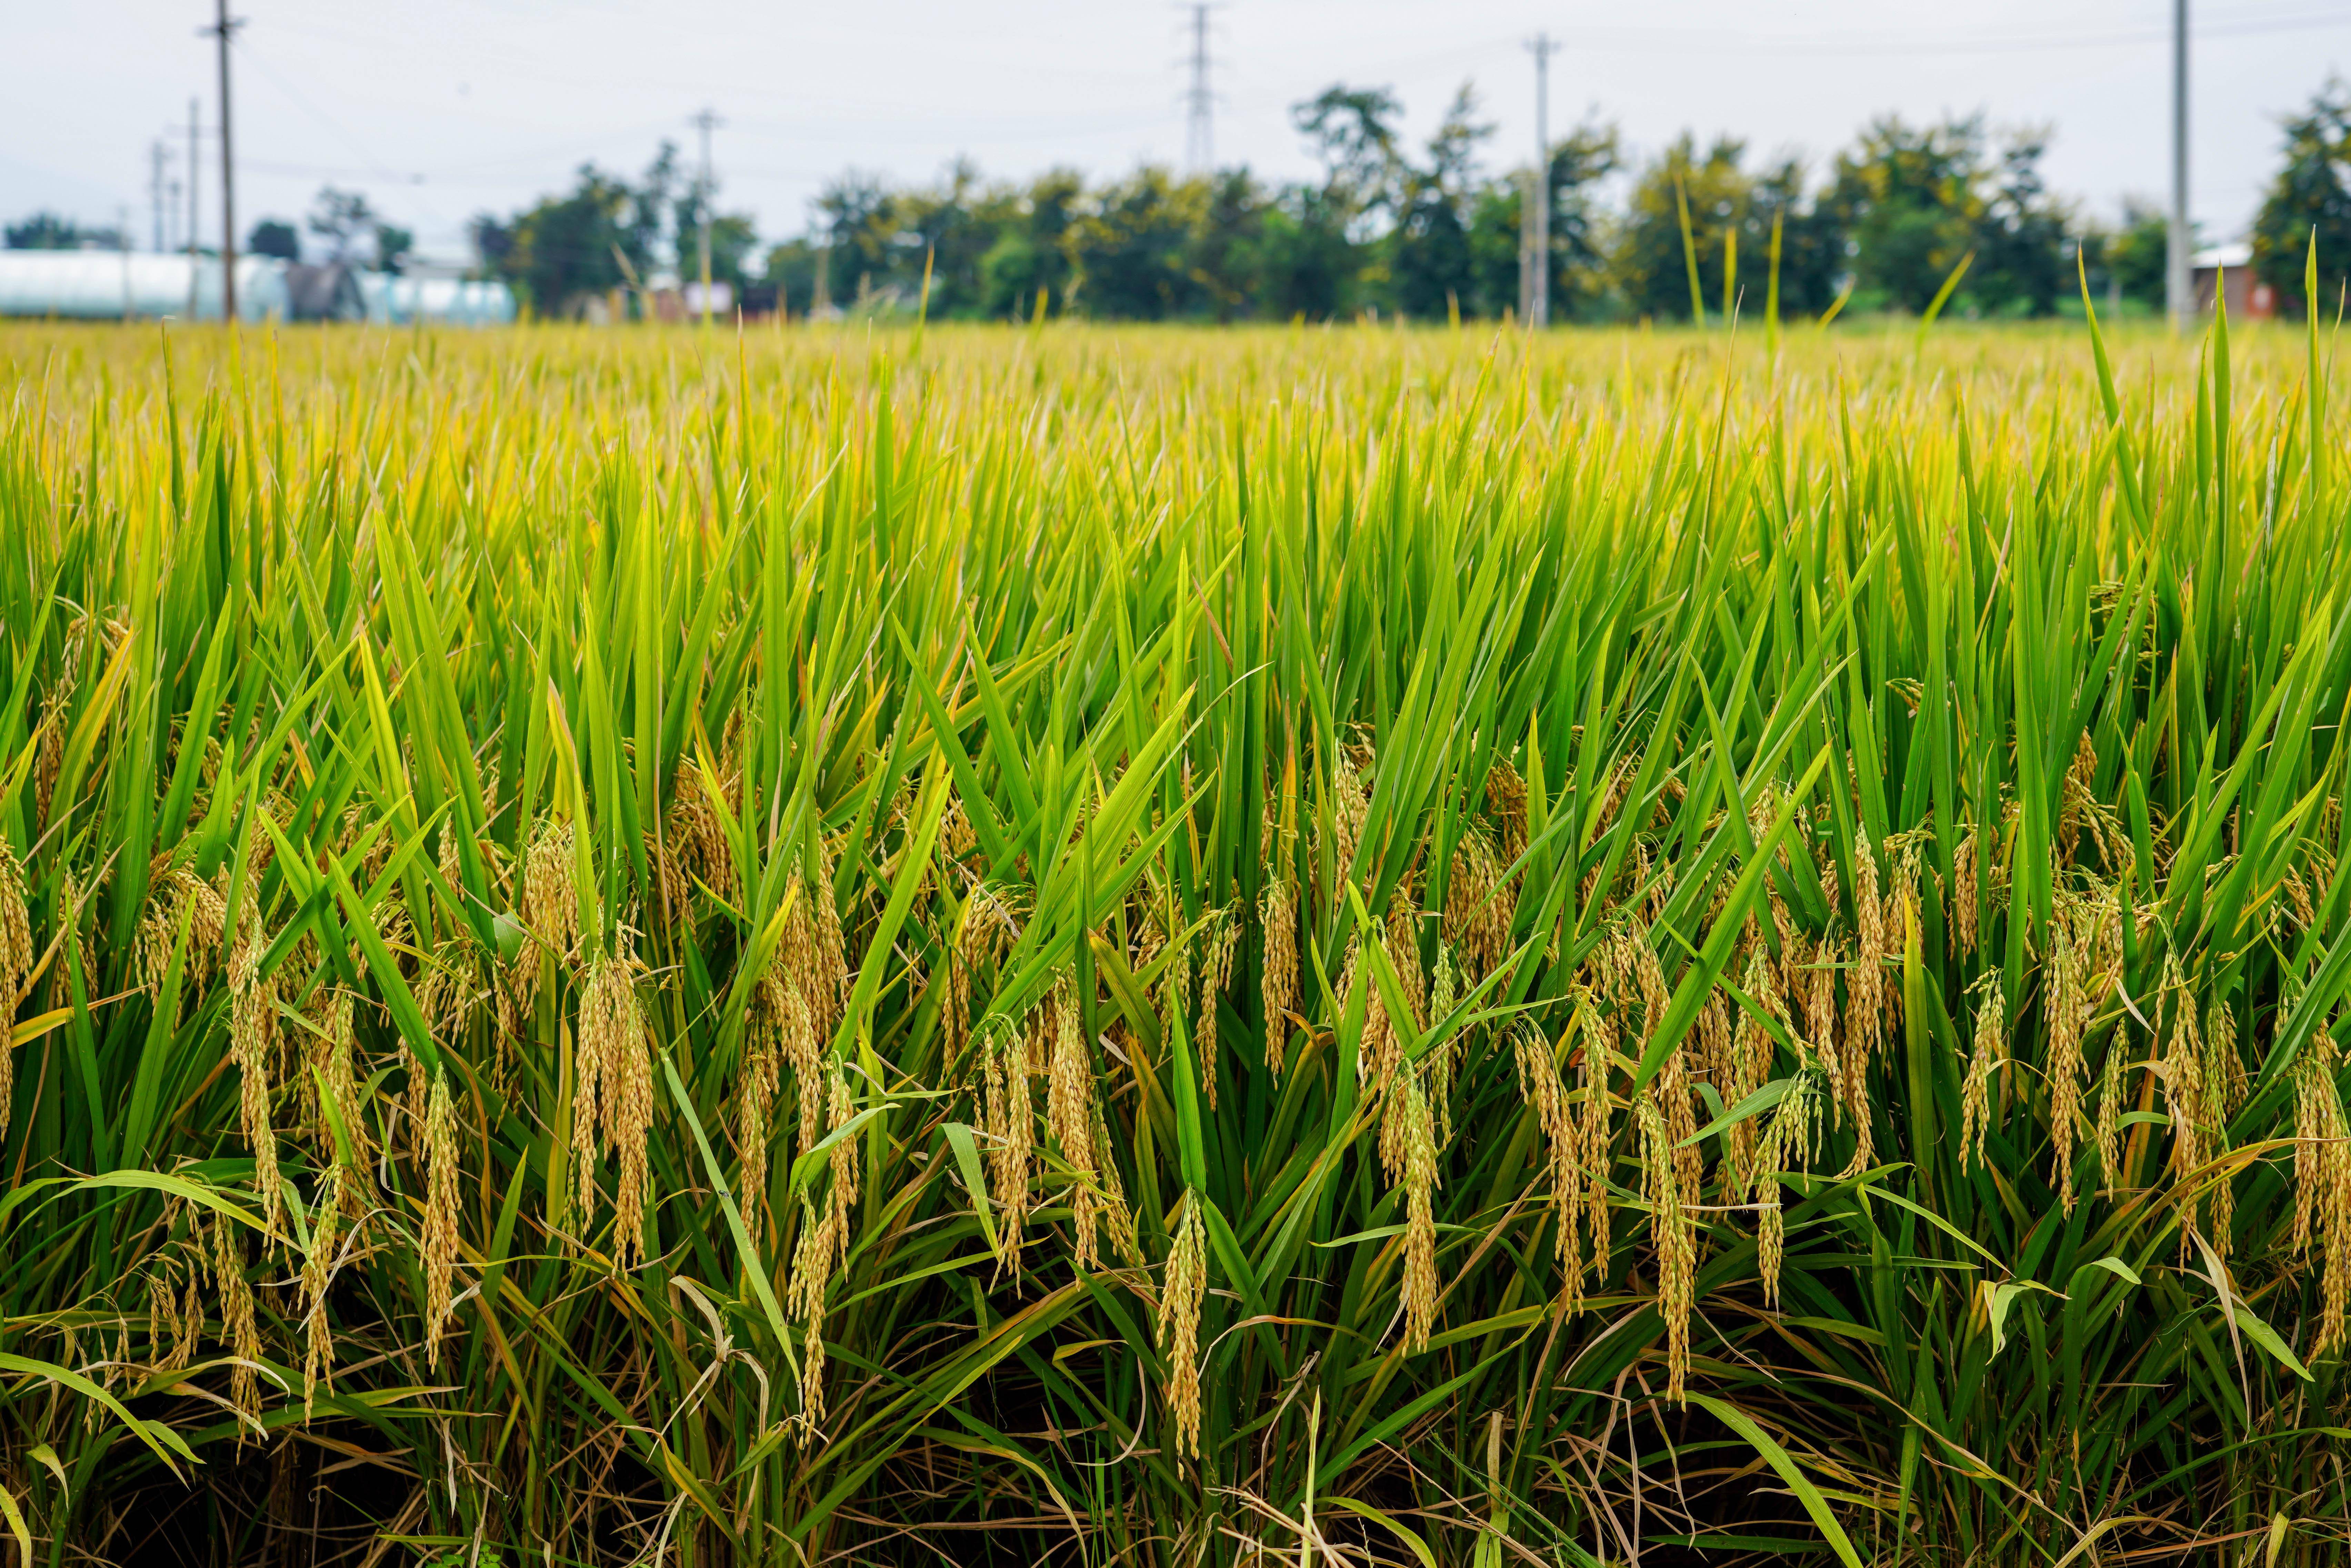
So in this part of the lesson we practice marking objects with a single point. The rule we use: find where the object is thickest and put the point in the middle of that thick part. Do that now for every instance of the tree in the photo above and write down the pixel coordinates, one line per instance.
(1129, 250)
(855, 219)
(493, 240)
(1027, 267)
(564, 250)
(47, 231)
(2136, 253)
(1306, 265)
(2022, 252)
(393, 244)
(2311, 195)
(1429, 265)
(275, 237)
(1652, 262)
(1907, 199)
(650, 209)
(1352, 131)
(1590, 153)
(1814, 262)
(343, 219)
(1226, 250)
(734, 236)
(568, 247)
(1497, 215)
(953, 224)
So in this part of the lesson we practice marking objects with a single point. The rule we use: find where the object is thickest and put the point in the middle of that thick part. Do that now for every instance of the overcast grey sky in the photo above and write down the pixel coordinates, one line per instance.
(438, 109)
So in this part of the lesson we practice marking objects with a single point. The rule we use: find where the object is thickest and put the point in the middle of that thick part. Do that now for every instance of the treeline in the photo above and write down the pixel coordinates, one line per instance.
(1428, 231)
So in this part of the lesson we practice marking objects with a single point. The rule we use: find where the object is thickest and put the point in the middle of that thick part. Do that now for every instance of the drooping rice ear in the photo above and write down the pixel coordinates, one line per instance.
(239, 1327)
(1069, 1109)
(1218, 942)
(1181, 1293)
(1966, 897)
(1478, 903)
(1506, 798)
(1278, 919)
(17, 954)
(439, 1236)
(615, 1094)
(1990, 1047)
(1865, 1012)
(1010, 1124)
(755, 1098)
(1546, 1095)
(254, 1043)
(2065, 1018)
(1419, 1180)
(1670, 1231)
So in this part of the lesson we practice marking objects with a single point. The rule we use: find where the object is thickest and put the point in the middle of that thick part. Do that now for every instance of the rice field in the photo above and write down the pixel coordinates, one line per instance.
(1170, 947)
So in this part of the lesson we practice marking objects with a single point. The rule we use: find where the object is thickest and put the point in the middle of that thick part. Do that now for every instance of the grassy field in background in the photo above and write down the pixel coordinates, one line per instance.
(1170, 947)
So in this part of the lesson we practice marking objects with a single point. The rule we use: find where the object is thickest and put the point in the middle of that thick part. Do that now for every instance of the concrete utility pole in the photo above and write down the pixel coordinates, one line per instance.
(1199, 144)
(194, 163)
(1534, 286)
(155, 187)
(706, 123)
(222, 26)
(2179, 277)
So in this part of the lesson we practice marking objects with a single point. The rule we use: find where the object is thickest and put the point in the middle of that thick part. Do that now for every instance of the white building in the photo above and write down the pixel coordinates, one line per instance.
(123, 286)
(112, 285)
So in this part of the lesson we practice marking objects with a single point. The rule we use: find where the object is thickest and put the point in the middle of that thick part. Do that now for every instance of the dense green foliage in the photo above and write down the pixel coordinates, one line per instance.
(1428, 233)
(2310, 199)
(1160, 947)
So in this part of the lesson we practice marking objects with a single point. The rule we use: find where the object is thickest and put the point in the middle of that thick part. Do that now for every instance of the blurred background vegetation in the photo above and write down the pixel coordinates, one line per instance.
(1434, 231)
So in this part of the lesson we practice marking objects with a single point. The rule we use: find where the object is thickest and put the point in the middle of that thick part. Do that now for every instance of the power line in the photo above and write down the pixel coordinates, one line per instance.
(1660, 40)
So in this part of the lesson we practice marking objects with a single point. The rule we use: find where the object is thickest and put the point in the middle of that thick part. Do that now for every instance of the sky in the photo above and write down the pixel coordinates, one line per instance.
(440, 109)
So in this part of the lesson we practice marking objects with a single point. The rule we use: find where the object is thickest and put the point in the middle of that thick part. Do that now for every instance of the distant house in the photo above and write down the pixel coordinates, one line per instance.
(2231, 266)
(328, 291)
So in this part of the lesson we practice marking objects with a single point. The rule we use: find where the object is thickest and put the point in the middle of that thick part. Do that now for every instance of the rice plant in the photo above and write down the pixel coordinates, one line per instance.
(1055, 944)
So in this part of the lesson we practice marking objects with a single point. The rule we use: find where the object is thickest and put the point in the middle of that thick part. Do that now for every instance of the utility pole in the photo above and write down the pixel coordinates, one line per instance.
(1199, 144)
(155, 187)
(2178, 279)
(1535, 266)
(196, 162)
(222, 26)
(706, 123)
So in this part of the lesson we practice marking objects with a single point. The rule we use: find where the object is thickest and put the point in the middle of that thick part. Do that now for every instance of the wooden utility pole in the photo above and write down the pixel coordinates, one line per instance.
(222, 28)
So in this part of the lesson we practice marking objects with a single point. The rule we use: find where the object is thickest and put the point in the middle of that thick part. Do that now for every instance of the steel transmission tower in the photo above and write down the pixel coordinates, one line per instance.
(1534, 258)
(1200, 101)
